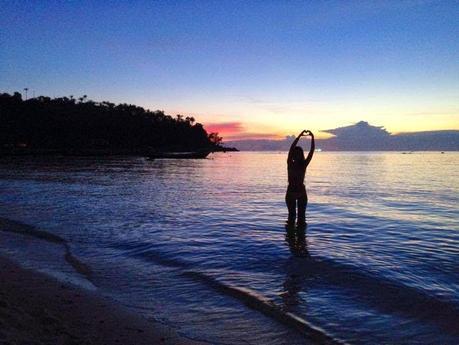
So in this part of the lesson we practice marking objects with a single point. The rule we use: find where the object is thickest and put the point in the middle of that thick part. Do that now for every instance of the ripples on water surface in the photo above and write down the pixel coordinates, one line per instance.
(201, 244)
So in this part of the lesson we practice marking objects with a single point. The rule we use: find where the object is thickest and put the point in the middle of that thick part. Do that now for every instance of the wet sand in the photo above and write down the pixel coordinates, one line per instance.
(36, 309)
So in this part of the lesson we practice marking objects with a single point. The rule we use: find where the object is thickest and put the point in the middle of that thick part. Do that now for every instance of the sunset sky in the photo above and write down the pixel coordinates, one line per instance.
(247, 69)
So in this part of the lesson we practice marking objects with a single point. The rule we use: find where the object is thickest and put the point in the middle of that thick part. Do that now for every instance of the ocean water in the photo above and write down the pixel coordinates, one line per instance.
(202, 244)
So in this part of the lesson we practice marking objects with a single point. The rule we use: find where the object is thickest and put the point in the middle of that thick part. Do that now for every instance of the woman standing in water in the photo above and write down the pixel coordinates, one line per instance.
(296, 191)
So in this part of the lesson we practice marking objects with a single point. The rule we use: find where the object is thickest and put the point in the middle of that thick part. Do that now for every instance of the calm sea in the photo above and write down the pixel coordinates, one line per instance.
(202, 245)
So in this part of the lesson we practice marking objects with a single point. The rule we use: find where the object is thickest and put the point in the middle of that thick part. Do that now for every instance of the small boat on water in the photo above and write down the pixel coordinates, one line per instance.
(179, 155)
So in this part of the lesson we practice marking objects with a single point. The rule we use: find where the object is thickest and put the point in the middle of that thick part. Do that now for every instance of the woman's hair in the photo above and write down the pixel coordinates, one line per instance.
(298, 155)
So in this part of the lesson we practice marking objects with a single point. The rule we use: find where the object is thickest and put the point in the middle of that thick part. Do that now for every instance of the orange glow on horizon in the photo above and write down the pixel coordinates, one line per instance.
(243, 121)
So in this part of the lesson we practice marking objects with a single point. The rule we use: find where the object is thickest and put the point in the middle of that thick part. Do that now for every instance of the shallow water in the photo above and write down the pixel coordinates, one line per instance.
(202, 245)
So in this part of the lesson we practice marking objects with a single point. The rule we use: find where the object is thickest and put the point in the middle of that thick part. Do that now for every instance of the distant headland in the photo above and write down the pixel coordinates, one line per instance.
(364, 137)
(80, 126)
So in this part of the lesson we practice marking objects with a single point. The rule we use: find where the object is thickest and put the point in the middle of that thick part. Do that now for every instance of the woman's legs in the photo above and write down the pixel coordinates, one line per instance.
(292, 199)
(291, 205)
(302, 203)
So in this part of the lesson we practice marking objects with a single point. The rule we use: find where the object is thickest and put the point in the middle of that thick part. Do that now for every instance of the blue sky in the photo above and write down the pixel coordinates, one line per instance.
(245, 68)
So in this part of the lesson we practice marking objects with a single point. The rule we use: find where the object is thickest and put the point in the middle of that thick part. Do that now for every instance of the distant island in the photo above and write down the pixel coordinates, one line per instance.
(79, 126)
(364, 137)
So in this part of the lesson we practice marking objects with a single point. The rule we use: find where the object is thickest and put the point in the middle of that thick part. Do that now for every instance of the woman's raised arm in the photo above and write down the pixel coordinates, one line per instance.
(312, 149)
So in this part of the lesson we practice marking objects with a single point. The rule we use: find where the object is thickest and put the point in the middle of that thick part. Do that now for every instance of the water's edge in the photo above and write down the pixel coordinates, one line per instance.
(249, 298)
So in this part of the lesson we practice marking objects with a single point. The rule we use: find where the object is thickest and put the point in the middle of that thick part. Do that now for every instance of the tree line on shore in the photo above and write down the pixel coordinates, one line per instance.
(79, 124)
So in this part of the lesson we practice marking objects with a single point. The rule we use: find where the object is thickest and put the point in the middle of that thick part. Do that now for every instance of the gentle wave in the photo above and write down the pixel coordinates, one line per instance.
(255, 301)
(8, 225)
(391, 296)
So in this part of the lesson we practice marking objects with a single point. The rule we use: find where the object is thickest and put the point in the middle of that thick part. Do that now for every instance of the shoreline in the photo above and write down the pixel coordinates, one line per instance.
(102, 152)
(37, 309)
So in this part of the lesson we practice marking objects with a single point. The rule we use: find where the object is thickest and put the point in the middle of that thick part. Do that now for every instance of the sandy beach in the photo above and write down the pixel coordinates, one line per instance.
(36, 309)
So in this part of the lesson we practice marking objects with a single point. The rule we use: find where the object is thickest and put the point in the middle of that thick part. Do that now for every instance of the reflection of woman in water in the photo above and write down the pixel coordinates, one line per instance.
(296, 268)
(296, 191)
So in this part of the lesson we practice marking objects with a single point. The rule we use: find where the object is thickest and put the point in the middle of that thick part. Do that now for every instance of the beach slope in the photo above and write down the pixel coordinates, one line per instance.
(36, 309)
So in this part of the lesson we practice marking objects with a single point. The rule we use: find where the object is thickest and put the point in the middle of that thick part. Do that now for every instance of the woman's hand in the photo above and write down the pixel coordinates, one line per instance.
(307, 132)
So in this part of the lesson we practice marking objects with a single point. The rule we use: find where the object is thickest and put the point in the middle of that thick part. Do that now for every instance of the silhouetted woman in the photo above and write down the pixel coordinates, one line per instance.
(296, 191)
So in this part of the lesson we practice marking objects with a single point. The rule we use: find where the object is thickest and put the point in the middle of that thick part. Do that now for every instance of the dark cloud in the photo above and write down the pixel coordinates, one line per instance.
(361, 129)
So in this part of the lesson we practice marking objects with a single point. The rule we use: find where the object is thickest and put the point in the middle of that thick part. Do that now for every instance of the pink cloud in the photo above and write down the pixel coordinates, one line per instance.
(251, 135)
(236, 131)
(224, 127)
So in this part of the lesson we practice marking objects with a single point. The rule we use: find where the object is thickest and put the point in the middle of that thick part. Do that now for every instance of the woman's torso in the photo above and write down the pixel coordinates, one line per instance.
(296, 175)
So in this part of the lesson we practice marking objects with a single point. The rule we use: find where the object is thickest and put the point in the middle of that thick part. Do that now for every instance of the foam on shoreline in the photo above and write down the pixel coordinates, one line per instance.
(8, 225)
